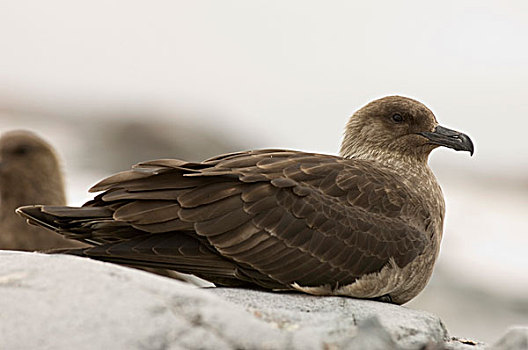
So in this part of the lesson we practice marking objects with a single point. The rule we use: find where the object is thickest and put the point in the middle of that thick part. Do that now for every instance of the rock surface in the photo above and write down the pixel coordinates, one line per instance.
(515, 338)
(65, 302)
(336, 318)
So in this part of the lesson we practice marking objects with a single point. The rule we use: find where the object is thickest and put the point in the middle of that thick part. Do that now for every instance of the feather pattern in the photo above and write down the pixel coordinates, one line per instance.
(367, 224)
(283, 217)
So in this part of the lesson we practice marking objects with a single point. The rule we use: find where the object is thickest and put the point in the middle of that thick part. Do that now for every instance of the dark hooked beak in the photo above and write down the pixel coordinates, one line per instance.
(449, 138)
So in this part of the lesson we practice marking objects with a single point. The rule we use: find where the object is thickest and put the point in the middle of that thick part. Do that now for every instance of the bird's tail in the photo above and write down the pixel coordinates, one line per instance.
(34, 216)
(71, 222)
(156, 252)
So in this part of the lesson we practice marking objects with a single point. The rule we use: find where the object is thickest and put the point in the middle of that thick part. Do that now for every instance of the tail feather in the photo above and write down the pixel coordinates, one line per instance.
(34, 216)
(75, 212)
(92, 225)
(119, 242)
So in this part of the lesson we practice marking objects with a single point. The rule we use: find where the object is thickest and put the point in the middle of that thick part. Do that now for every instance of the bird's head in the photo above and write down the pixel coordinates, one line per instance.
(24, 154)
(396, 127)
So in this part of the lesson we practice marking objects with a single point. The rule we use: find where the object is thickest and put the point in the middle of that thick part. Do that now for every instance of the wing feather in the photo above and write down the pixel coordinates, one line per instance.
(268, 217)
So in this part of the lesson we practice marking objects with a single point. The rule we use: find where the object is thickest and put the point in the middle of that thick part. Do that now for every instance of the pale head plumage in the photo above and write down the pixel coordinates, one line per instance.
(388, 128)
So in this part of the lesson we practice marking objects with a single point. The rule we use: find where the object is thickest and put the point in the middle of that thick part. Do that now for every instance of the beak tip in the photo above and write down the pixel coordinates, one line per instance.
(469, 144)
(442, 136)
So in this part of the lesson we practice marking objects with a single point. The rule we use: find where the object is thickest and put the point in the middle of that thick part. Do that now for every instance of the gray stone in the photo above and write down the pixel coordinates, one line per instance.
(66, 302)
(335, 318)
(347, 323)
(516, 338)
(370, 335)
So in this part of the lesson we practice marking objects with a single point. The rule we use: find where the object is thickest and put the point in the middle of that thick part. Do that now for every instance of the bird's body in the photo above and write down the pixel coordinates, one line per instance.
(367, 224)
(29, 173)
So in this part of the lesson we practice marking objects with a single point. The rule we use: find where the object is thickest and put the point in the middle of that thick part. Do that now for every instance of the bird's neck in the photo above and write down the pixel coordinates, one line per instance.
(413, 171)
(403, 164)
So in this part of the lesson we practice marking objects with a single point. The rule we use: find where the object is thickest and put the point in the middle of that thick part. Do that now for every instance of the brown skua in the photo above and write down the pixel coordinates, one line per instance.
(366, 224)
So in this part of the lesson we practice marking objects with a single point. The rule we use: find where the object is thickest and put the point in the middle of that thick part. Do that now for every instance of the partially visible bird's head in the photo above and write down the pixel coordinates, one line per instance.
(398, 127)
(25, 155)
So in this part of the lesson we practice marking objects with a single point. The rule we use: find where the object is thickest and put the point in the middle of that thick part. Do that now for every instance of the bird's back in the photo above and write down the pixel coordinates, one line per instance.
(249, 217)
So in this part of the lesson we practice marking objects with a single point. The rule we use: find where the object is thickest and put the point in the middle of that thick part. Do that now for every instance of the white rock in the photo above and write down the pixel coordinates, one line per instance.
(66, 302)
(516, 338)
(336, 318)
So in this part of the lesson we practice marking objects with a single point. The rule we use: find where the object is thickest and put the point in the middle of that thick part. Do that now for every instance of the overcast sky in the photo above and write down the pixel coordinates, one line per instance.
(279, 73)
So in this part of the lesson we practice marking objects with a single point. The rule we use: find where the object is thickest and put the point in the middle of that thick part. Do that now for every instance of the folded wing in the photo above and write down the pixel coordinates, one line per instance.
(270, 218)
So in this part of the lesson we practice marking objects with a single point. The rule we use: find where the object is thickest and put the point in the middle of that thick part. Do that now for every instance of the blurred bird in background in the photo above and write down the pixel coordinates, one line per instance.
(29, 173)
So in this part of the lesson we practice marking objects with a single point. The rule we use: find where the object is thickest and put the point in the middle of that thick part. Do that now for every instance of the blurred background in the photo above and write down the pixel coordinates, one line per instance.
(111, 83)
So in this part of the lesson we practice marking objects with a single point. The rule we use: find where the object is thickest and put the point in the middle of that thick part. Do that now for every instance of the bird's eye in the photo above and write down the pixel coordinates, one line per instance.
(397, 118)
(21, 150)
